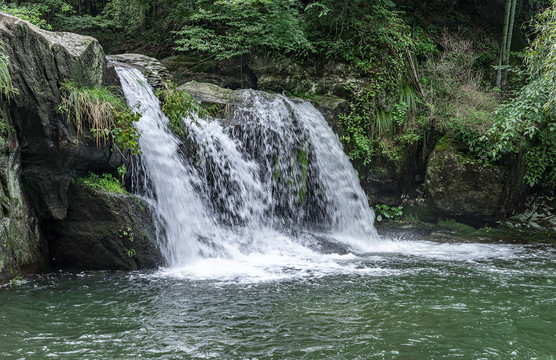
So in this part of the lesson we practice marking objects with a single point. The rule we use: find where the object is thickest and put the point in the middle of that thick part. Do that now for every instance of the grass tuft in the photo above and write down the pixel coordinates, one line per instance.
(104, 182)
(6, 86)
(106, 113)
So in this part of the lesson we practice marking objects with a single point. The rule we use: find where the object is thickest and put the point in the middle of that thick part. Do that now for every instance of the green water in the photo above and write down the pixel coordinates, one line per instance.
(388, 305)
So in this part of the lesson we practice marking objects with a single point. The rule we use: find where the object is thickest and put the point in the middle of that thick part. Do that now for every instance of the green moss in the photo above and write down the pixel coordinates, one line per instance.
(443, 146)
(303, 158)
(104, 182)
(276, 174)
(455, 226)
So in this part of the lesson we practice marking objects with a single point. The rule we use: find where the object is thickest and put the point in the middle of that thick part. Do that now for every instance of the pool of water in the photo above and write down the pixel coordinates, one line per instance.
(406, 300)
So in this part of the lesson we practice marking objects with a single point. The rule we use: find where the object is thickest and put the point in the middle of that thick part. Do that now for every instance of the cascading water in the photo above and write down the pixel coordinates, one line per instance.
(275, 180)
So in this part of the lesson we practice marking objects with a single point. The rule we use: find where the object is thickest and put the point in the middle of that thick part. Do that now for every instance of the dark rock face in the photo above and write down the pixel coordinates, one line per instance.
(154, 71)
(41, 210)
(465, 190)
(22, 248)
(104, 231)
(292, 77)
(51, 154)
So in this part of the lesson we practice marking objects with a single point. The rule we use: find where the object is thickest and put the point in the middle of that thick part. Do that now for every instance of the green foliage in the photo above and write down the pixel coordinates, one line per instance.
(16, 280)
(383, 211)
(387, 112)
(361, 147)
(460, 109)
(303, 158)
(526, 127)
(385, 129)
(104, 182)
(6, 86)
(541, 56)
(371, 35)
(229, 28)
(180, 106)
(40, 13)
(108, 115)
(127, 234)
(122, 171)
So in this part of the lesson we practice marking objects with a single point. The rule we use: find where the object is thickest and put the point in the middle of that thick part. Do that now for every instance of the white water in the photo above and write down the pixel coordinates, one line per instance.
(242, 203)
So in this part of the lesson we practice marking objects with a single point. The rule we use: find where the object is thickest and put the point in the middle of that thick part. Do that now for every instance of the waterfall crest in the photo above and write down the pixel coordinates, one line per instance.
(274, 180)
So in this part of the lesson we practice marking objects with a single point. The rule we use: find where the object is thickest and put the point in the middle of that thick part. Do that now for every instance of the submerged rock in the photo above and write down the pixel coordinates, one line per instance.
(104, 230)
(464, 189)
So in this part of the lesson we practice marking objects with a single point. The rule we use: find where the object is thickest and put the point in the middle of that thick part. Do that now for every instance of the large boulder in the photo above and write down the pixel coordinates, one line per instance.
(43, 210)
(104, 230)
(51, 153)
(465, 189)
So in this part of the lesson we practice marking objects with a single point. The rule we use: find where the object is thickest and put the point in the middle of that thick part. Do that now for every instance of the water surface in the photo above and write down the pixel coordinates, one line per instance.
(406, 300)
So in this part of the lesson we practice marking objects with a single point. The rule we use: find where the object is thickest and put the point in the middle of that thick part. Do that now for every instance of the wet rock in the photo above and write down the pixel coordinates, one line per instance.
(22, 248)
(464, 189)
(331, 107)
(214, 96)
(157, 75)
(291, 77)
(230, 73)
(41, 155)
(210, 94)
(104, 230)
(539, 213)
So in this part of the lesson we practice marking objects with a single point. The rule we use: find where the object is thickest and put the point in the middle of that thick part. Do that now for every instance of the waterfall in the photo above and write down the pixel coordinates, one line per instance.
(273, 180)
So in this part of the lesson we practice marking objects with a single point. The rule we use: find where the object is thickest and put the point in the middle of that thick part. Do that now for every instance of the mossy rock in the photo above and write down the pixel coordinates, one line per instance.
(464, 189)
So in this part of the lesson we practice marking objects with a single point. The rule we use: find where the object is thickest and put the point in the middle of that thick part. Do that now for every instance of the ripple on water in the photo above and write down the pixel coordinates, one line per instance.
(494, 301)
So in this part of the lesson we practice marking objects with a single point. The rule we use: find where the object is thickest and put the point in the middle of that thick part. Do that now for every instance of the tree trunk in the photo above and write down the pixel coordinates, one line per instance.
(504, 44)
(509, 41)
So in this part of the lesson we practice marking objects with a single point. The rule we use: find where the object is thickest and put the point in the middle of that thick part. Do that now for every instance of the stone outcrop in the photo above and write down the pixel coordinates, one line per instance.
(213, 96)
(465, 189)
(104, 230)
(51, 153)
(292, 77)
(151, 68)
(41, 156)
(210, 94)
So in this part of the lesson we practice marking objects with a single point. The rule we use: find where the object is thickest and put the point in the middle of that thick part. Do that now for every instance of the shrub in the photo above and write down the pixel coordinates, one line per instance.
(526, 128)
(178, 105)
(460, 108)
